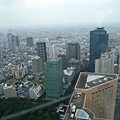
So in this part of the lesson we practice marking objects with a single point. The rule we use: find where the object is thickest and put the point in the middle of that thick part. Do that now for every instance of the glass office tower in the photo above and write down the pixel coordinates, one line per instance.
(41, 50)
(98, 45)
(53, 78)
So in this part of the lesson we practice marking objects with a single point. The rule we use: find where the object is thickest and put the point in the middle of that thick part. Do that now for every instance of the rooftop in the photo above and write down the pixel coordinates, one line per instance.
(100, 27)
(68, 72)
(88, 80)
(54, 59)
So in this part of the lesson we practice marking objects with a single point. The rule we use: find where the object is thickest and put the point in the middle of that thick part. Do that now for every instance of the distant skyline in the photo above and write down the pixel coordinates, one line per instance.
(47, 12)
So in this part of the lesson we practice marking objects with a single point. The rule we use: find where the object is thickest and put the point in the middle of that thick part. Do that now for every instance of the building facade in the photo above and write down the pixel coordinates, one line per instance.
(98, 45)
(73, 51)
(52, 51)
(53, 78)
(41, 50)
(15, 40)
(64, 61)
(68, 75)
(9, 42)
(75, 63)
(105, 64)
(95, 94)
(9, 92)
(29, 41)
(12, 42)
(35, 92)
(37, 65)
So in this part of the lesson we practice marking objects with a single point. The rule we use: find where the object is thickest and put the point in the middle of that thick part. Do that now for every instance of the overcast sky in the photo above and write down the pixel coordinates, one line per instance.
(45, 12)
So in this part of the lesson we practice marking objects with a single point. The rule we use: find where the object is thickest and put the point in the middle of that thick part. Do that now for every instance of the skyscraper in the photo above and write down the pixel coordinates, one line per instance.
(12, 42)
(15, 40)
(98, 45)
(73, 51)
(64, 61)
(53, 78)
(41, 50)
(94, 97)
(52, 53)
(37, 65)
(29, 41)
(9, 42)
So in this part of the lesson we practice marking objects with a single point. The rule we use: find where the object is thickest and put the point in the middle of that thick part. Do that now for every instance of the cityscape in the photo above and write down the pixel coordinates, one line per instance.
(64, 71)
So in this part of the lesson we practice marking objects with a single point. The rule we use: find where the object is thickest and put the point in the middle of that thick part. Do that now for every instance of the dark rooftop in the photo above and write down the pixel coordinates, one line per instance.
(100, 27)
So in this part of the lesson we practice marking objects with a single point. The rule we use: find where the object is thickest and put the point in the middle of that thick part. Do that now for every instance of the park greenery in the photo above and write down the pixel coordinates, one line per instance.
(12, 105)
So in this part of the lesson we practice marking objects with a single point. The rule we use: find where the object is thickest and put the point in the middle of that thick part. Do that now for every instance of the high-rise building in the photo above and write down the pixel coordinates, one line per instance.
(9, 91)
(64, 61)
(29, 41)
(93, 98)
(98, 45)
(52, 52)
(12, 42)
(105, 64)
(37, 65)
(9, 42)
(41, 50)
(73, 51)
(53, 78)
(15, 40)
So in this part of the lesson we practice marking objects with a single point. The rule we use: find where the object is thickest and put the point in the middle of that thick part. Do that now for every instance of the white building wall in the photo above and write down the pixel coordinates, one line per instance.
(35, 92)
(9, 92)
(105, 64)
(112, 59)
(53, 51)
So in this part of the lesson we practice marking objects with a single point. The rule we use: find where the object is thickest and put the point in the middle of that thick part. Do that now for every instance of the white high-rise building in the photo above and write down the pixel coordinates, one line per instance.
(9, 91)
(105, 64)
(53, 51)
(37, 65)
(35, 92)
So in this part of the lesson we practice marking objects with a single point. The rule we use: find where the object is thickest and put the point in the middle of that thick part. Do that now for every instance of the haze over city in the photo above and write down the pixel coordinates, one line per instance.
(59, 60)
(53, 12)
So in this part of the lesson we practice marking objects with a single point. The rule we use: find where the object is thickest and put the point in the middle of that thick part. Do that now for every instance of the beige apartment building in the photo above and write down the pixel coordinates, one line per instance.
(95, 94)
(9, 92)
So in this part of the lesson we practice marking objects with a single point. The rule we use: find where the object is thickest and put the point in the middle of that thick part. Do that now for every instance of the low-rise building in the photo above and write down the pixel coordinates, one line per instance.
(75, 63)
(68, 75)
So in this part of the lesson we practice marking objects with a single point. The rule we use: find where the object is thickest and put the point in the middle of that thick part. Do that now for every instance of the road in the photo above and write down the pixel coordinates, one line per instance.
(33, 108)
